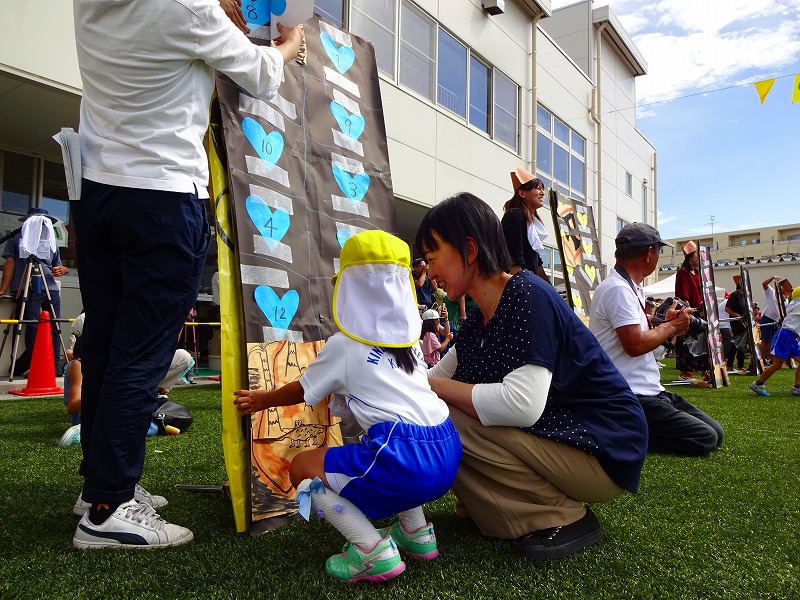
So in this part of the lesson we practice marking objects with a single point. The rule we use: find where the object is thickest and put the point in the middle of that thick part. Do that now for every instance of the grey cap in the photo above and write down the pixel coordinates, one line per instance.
(639, 235)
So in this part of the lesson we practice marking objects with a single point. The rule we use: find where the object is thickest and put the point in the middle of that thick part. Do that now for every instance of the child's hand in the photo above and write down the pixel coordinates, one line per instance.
(249, 401)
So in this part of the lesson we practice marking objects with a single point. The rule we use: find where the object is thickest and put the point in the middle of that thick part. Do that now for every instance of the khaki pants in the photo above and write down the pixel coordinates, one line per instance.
(513, 482)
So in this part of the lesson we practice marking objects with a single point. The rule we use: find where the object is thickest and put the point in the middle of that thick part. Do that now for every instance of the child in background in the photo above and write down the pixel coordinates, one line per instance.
(411, 451)
(432, 332)
(785, 345)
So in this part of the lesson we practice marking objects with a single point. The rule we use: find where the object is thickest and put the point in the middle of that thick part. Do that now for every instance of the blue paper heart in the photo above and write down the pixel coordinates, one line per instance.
(256, 12)
(350, 124)
(273, 225)
(342, 57)
(269, 147)
(279, 311)
(353, 186)
(342, 235)
(278, 7)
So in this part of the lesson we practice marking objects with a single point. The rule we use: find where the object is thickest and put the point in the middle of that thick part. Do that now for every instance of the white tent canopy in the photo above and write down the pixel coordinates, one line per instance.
(666, 288)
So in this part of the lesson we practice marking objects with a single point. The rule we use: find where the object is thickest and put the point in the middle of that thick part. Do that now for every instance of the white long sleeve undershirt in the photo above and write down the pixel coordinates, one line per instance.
(517, 401)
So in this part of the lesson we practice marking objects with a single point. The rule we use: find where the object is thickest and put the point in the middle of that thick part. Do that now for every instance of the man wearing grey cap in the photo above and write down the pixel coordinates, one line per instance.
(619, 322)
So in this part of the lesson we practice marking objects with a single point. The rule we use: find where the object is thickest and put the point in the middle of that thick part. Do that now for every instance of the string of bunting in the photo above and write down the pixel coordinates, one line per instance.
(763, 88)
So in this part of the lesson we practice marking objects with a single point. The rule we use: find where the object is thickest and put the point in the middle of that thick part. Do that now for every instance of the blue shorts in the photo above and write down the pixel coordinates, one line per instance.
(397, 466)
(768, 329)
(785, 344)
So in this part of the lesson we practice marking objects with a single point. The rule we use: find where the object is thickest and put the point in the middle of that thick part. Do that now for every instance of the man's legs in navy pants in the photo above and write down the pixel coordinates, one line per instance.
(141, 254)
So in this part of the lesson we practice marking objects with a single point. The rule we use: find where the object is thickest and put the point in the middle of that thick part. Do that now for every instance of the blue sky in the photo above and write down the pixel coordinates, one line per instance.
(720, 153)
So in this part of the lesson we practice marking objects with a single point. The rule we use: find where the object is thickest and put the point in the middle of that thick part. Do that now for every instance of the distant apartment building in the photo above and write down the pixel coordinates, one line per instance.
(763, 251)
(469, 93)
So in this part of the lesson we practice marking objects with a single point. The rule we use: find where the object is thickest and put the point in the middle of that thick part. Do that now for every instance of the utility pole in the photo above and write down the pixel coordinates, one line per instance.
(711, 222)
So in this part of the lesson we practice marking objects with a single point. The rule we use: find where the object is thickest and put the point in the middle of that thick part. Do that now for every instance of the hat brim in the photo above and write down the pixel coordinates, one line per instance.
(51, 217)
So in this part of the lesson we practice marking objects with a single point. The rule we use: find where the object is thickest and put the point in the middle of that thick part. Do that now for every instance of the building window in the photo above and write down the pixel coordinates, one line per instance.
(506, 107)
(17, 178)
(479, 94)
(437, 66)
(560, 155)
(331, 10)
(21, 178)
(620, 224)
(629, 184)
(451, 91)
(376, 22)
(417, 51)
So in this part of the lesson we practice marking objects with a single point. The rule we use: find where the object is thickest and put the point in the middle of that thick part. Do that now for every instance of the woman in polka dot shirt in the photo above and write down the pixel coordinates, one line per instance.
(546, 421)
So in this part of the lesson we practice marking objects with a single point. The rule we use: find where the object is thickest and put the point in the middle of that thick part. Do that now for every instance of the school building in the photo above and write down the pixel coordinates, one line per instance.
(764, 251)
(471, 89)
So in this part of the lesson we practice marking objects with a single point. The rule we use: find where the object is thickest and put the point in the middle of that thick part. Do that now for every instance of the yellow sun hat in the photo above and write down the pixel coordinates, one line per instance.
(374, 301)
(796, 292)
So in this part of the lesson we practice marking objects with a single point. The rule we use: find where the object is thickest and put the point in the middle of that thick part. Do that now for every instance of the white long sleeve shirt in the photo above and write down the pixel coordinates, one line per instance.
(148, 74)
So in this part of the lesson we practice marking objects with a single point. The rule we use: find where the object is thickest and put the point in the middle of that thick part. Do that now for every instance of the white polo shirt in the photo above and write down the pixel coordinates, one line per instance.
(148, 74)
(614, 305)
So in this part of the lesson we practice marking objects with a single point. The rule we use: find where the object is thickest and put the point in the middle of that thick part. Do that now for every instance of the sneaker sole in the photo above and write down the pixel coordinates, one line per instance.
(427, 556)
(553, 552)
(380, 576)
(114, 545)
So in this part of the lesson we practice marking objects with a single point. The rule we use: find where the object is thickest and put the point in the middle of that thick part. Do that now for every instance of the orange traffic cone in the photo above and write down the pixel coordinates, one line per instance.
(42, 376)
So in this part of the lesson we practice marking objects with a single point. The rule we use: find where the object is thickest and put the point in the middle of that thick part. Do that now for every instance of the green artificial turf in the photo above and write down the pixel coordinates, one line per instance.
(723, 526)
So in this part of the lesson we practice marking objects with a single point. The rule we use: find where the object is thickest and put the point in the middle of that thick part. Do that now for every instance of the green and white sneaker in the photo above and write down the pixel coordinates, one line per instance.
(420, 544)
(353, 564)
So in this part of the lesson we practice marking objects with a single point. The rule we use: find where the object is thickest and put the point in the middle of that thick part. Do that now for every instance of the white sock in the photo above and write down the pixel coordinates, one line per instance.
(345, 517)
(412, 519)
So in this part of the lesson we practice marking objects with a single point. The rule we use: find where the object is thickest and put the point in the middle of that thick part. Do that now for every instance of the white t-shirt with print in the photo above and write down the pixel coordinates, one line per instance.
(376, 388)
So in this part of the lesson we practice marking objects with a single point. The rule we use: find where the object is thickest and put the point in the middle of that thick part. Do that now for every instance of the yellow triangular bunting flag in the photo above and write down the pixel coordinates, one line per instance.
(763, 88)
(796, 89)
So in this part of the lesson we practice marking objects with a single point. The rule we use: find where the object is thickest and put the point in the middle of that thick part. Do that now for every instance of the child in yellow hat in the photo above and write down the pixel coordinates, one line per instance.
(411, 450)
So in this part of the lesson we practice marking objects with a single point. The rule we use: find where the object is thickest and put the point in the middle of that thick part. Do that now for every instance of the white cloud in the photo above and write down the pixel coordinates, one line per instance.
(711, 16)
(703, 60)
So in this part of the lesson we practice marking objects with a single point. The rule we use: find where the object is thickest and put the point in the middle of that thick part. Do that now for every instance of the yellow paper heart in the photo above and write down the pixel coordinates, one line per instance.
(583, 218)
(570, 270)
(587, 245)
(576, 300)
(590, 271)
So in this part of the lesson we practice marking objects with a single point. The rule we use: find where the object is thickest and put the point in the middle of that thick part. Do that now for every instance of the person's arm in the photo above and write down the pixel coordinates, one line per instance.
(250, 401)
(446, 367)
(8, 274)
(769, 280)
(233, 8)
(75, 376)
(454, 393)
(462, 308)
(447, 339)
(517, 401)
(257, 69)
(636, 341)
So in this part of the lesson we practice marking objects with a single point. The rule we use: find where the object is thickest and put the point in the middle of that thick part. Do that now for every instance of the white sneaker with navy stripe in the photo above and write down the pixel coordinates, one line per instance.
(133, 525)
(139, 494)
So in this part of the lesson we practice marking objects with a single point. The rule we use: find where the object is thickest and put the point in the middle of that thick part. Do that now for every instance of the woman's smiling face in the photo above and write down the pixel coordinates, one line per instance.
(446, 265)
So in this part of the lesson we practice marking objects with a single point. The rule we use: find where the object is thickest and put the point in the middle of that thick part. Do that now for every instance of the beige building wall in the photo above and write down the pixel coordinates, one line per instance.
(763, 251)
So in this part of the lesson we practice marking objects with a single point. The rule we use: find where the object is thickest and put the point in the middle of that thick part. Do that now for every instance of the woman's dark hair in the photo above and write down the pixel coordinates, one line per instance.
(686, 264)
(461, 217)
(76, 349)
(518, 201)
(404, 357)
